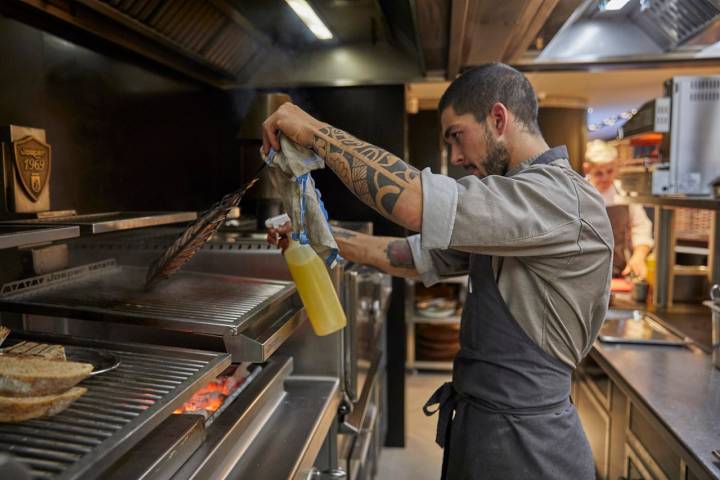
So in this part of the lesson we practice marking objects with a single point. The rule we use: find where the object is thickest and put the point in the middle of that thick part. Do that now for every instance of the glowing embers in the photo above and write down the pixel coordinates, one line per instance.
(212, 399)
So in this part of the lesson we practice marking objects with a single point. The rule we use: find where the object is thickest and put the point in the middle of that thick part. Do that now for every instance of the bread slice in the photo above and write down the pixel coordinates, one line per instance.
(18, 409)
(33, 377)
(43, 350)
(4, 332)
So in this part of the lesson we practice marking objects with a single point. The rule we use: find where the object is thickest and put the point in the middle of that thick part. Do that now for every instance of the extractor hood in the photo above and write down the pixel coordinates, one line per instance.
(640, 28)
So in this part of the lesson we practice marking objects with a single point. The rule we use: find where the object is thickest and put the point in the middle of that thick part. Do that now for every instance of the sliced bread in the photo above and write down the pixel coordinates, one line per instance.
(33, 376)
(43, 350)
(18, 409)
(4, 332)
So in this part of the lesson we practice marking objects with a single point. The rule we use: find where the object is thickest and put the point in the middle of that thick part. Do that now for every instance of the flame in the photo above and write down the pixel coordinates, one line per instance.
(210, 397)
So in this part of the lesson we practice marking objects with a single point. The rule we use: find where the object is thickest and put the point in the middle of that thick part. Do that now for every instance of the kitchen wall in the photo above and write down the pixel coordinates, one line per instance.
(129, 135)
(124, 135)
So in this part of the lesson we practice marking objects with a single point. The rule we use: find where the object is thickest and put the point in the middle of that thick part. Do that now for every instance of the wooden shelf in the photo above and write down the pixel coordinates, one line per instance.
(687, 270)
(431, 365)
(452, 320)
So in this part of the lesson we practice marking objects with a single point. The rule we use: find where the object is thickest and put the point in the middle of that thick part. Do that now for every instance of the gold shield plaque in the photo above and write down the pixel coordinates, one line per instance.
(32, 161)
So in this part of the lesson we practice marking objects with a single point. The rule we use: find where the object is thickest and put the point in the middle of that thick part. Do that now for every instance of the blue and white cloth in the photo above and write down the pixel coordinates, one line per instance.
(289, 171)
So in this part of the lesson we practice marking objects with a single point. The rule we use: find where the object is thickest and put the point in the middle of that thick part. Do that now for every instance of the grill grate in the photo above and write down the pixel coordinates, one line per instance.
(119, 408)
(188, 301)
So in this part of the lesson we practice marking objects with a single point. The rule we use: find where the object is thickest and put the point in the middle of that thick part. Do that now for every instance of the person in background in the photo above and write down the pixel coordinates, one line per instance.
(632, 229)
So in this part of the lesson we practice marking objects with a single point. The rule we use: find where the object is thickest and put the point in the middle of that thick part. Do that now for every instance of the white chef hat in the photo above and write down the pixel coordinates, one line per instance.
(598, 152)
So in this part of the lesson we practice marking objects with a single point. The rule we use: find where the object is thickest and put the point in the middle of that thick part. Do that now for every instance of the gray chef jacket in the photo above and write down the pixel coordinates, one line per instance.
(551, 229)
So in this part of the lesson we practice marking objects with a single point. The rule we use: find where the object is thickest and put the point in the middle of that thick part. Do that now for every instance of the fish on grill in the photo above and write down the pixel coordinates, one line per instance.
(195, 236)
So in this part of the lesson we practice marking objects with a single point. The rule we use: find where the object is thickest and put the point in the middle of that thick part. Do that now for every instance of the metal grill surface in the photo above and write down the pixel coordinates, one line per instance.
(119, 409)
(188, 301)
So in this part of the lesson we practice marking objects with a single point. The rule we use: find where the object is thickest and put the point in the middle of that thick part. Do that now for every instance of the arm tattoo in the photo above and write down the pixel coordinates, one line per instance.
(374, 175)
(399, 254)
(338, 233)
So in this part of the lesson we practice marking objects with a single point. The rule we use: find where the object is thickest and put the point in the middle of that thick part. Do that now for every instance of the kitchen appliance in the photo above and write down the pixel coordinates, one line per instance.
(690, 160)
(120, 407)
(343, 372)
(249, 317)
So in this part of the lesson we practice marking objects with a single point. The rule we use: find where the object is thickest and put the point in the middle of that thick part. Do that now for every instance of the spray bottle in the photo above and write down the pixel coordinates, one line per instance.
(312, 282)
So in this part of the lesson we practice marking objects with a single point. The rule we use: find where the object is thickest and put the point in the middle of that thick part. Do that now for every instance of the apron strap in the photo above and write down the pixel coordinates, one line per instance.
(446, 400)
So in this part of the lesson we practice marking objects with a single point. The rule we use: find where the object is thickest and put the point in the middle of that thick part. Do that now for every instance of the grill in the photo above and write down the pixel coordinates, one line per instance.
(118, 410)
(188, 301)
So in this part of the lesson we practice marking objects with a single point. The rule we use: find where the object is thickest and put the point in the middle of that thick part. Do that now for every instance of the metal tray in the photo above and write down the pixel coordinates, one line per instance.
(12, 236)
(639, 328)
(253, 317)
(91, 223)
(188, 301)
(120, 408)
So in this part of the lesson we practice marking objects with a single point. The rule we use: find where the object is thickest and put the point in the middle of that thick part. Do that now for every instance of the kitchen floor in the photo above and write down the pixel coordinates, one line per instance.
(421, 459)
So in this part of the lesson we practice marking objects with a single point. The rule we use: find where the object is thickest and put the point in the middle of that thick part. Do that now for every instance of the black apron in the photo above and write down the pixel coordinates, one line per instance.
(619, 216)
(512, 415)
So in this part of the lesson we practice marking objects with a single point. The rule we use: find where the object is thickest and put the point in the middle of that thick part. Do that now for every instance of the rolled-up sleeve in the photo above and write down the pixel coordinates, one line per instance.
(640, 227)
(434, 265)
(535, 212)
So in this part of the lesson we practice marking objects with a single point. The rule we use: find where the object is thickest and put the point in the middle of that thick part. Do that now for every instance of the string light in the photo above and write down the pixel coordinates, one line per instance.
(611, 121)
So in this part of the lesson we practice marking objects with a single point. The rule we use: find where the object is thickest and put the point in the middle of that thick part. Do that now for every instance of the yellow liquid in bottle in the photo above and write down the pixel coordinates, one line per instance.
(315, 288)
(650, 263)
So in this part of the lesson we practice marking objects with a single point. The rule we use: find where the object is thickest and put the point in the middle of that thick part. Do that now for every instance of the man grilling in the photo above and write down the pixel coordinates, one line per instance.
(535, 240)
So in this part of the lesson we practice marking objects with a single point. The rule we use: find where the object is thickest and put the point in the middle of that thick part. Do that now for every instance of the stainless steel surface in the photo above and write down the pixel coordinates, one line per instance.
(291, 439)
(638, 29)
(234, 431)
(670, 22)
(694, 142)
(714, 305)
(356, 419)
(12, 236)
(253, 317)
(159, 455)
(120, 408)
(664, 241)
(110, 221)
(652, 116)
(639, 328)
(190, 301)
(366, 291)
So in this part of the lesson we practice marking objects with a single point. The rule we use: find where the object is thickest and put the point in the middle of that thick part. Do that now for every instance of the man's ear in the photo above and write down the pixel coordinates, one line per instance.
(499, 118)
(586, 167)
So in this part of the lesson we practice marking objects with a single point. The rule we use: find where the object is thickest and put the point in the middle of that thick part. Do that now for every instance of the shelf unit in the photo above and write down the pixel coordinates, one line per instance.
(412, 319)
(665, 240)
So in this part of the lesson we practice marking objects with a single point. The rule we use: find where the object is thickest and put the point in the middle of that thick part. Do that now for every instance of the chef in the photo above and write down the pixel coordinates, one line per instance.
(632, 229)
(535, 240)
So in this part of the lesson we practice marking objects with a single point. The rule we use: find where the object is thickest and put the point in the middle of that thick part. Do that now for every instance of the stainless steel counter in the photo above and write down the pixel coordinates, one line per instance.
(679, 386)
(292, 437)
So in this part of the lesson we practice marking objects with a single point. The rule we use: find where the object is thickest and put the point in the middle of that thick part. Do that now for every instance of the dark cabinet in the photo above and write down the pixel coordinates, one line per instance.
(628, 442)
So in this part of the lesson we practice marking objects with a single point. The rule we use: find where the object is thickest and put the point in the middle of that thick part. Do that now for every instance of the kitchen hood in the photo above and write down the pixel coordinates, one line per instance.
(641, 28)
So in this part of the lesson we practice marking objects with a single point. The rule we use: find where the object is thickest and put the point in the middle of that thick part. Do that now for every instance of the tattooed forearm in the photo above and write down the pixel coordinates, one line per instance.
(342, 233)
(399, 255)
(376, 176)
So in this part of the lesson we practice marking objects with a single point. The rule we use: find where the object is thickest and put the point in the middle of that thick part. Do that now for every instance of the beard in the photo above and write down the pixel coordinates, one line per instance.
(497, 158)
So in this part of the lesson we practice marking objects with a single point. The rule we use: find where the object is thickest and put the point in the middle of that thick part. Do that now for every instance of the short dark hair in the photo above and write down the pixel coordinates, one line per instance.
(478, 89)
